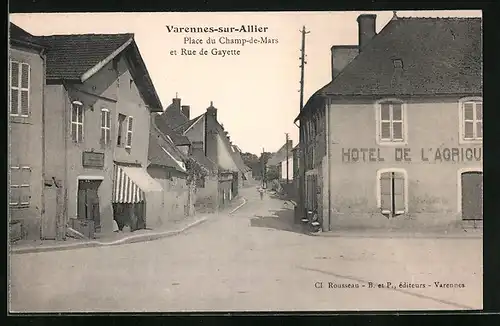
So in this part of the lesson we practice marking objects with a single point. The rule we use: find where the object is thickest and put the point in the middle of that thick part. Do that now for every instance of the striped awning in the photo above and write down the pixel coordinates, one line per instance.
(125, 190)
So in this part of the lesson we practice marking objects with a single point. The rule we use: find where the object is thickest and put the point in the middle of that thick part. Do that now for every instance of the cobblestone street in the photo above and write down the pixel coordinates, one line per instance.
(252, 260)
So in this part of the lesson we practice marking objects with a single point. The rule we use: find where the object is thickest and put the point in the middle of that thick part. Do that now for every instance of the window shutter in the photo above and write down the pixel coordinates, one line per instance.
(14, 84)
(399, 204)
(385, 193)
(25, 78)
(129, 131)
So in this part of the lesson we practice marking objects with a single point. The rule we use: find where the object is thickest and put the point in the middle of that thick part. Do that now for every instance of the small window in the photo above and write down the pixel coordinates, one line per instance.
(121, 130)
(391, 123)
(398, 63)
(130, 125)
(19, 89)
(472, 120)
(105, 126)
(77, 121)
(20, 189)
(392, 193)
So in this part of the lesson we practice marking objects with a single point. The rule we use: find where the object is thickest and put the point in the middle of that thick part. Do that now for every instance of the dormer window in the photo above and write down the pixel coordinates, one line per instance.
(398, 63)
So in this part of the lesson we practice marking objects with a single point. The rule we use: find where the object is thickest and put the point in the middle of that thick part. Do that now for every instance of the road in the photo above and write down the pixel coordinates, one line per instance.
(253, 260)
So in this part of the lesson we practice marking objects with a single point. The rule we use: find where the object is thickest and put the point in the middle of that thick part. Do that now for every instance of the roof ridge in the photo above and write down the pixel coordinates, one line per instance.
(437, 18)
(86, 34)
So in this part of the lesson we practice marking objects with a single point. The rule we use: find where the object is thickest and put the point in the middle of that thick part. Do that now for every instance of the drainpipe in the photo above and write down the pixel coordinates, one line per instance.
(42, 55)
(327, 218)
(65, 137)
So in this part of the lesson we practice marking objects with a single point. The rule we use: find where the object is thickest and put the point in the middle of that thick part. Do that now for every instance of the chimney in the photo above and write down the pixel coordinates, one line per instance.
(185, 110)
(176, 104)
(212, 111)
(366, 29)
(341, 56)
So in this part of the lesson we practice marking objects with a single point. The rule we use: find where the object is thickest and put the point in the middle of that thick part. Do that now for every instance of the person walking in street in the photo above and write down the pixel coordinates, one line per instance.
(261, 192)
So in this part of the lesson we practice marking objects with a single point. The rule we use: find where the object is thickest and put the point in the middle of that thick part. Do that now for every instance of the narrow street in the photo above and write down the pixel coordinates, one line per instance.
(252, 260)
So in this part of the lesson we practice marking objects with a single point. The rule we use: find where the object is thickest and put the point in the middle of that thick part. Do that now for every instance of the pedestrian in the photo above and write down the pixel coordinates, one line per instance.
(261, 193)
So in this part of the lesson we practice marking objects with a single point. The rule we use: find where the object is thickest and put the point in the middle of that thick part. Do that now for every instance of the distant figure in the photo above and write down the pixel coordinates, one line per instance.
(261, 192)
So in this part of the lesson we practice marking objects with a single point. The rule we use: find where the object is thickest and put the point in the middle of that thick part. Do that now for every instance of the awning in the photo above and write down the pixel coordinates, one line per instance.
(131, 184)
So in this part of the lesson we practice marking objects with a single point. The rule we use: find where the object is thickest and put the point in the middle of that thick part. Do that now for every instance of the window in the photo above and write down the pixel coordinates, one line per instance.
(121, 121)
(105, 126)
(77, 121)
(391, 125)
(130, 122)
(20, 186)
(472, 120)
(392, 190)
(19, 89)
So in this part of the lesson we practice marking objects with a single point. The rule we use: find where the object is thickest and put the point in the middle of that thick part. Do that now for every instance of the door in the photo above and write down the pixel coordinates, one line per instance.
(88, 201)
(49, 217)
(472, 196)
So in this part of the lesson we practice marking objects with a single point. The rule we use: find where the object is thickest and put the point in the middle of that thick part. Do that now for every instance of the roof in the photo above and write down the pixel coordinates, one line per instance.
(280, 155)
(238, 160)
(163, 153)
(440, 56)
(175, 119)
(20, 36)
(185, 126)
(77, 57)
(204, 161)
(165, 128)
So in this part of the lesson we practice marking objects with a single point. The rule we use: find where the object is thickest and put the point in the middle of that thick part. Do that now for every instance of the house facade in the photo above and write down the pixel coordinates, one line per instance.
(27, 213)
(167, 165)
(206, 131)
(99, 98)
(417, 158)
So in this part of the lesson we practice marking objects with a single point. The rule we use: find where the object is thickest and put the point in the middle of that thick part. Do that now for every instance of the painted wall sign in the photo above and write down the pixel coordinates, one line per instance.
(431, 155)
(93, 159)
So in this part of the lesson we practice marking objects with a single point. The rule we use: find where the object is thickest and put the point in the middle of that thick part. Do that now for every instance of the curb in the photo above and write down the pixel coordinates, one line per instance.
(388, 235)
(90, 244)
(241, 205)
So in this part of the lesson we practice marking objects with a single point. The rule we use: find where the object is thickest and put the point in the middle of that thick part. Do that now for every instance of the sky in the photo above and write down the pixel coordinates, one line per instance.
(256, 92)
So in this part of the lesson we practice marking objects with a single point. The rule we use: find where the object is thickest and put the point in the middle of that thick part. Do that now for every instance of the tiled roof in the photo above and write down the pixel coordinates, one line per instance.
(73, 55)
(157, 152)
(439, 56)
(175, 119)
(204, 161)
(182, 128)
(164, 127)
(17, 34)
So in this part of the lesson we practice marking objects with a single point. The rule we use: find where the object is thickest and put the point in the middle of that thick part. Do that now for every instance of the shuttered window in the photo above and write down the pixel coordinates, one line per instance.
(130, 125)
(77, 122)
(392, 193)
(20, 189)
(19, 89)
(105, 126)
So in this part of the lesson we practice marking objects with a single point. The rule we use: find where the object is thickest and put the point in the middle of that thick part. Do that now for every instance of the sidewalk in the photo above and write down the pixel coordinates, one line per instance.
(171, 228)
(452, 233)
